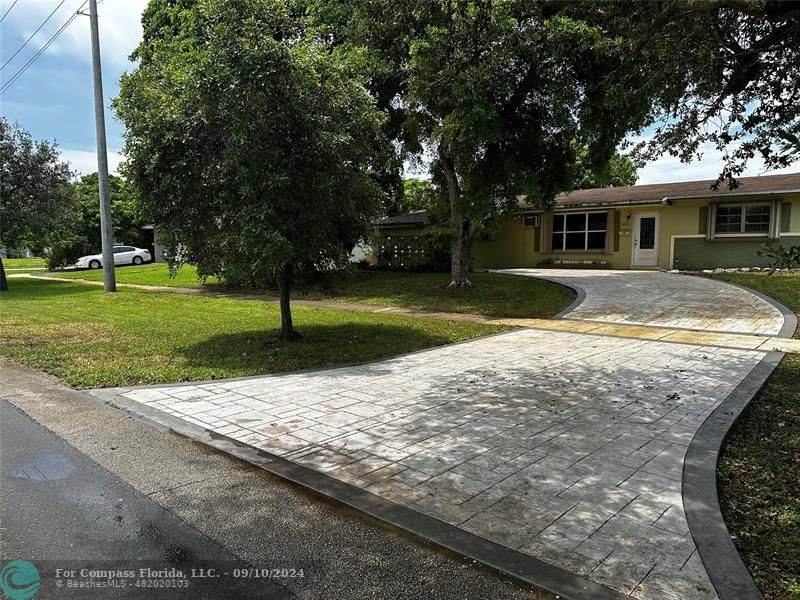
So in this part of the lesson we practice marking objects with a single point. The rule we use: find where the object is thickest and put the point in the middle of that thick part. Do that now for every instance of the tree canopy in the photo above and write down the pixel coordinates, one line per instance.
(255, 150)
(499, 91)
(125, 213)
(618, 171)
(418, 194)
(521, 97)
(720, 74)
(36, 201)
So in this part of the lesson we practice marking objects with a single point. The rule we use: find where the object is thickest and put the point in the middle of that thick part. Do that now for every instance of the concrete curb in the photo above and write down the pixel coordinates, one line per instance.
(725, 568)
(580, 293)
(501, 558)
(789, 318)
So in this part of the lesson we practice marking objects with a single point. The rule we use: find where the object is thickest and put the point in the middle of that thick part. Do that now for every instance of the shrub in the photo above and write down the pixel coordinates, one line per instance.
(782, 257)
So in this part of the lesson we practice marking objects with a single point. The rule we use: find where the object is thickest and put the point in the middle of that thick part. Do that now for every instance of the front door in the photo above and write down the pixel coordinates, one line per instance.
(645, 240)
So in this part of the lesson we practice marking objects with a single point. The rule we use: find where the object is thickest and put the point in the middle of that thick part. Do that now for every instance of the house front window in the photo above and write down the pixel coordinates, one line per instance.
(580, 232)
(742, 218)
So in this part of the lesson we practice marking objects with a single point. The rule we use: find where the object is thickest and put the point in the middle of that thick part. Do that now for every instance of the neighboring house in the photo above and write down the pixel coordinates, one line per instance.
(402, 243)
(681, 225)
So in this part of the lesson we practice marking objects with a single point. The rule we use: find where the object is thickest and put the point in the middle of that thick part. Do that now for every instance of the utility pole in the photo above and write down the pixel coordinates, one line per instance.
(106, 225)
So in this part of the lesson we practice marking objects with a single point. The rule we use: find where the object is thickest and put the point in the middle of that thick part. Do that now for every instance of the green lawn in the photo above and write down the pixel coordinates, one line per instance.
(133, 337)
(15, 266)
(492, 294)
(153, 274)
(759, 469)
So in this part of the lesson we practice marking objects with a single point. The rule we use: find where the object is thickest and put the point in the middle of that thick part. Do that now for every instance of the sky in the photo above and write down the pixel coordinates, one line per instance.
(53, 98)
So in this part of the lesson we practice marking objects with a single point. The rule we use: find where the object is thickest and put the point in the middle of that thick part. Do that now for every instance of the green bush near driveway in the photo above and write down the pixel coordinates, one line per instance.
(90, 339)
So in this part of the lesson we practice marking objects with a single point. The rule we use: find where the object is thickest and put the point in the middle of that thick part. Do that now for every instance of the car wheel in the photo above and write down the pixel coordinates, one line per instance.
(95, 264)
(137, 260)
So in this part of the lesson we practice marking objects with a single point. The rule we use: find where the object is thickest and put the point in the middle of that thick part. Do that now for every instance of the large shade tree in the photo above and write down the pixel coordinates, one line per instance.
(36, 200)
(500, 93)
(721, 75)
(253, 147)
(495, 90)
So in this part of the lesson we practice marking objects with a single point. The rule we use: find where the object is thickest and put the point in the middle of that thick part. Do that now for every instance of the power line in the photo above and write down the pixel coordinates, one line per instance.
(25, 67)
(38, 29)
(5, 14)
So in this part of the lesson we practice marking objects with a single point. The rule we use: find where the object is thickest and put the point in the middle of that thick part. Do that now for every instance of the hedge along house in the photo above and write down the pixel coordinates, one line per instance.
(681, 225)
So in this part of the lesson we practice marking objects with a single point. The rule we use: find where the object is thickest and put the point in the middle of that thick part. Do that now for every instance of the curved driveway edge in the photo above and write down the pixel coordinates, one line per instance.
(658, 299)
(789, 318)
(726, 570)
(728, 574)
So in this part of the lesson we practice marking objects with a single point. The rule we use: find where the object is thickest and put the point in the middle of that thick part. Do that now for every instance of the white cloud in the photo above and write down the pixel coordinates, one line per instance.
(85, 161)
(119, 23)
(669, 169)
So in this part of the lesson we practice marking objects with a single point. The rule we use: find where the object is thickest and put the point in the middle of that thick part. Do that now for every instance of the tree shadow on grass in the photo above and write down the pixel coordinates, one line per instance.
(319, 346)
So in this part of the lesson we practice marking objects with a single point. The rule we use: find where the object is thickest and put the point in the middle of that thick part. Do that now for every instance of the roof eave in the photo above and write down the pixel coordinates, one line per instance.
(731, 194)
(599, 205)
(400, 225)
(669, 199)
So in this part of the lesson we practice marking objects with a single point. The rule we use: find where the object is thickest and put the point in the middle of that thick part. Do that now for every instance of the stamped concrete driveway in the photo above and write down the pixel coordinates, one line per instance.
(664, 300)
(564, 447)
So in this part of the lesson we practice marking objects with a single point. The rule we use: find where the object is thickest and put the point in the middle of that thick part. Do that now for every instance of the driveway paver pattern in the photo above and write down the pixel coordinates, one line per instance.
(563, 446)
(664, 300)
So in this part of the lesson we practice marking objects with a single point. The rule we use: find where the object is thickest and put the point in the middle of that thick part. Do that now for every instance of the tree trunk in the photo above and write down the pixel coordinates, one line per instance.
(461, 241)
(460, 253)
(285, 288)
(3, 280)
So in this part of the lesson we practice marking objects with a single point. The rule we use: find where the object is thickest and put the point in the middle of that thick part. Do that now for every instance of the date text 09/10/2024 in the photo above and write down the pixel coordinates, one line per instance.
(179, 574)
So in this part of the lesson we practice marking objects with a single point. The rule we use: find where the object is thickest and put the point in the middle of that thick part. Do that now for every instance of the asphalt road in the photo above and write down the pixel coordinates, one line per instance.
(62, 511)
(206, 507)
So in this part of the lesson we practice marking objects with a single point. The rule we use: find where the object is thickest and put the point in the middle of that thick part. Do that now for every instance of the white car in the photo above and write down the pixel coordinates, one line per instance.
(123, 255)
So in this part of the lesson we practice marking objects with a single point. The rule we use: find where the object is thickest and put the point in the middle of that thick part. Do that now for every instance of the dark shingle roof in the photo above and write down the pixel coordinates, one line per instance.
(640, 194)
(410, 219)
(661, 191)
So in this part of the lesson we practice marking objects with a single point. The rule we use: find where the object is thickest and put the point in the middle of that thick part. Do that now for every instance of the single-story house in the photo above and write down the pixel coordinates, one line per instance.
(683, 225)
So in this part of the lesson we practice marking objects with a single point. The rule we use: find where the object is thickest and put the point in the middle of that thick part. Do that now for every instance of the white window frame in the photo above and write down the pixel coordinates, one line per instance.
(586, 231)
(743, 207)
